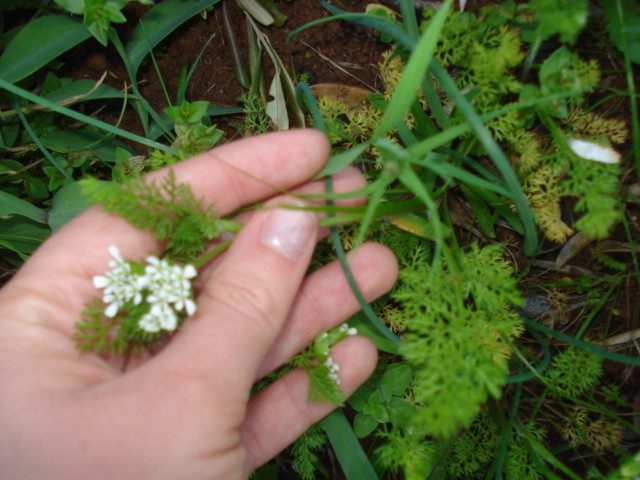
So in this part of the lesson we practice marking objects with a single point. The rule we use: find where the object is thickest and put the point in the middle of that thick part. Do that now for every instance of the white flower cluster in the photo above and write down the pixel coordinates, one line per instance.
(344, 328)
(165, 287)
(334, 367)
(335, 335)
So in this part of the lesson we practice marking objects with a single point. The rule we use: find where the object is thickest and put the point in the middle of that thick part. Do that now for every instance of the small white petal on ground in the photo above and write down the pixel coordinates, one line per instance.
(594, 151)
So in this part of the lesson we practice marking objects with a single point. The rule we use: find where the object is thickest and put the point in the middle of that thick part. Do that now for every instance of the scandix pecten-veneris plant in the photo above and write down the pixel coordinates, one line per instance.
(466, 387)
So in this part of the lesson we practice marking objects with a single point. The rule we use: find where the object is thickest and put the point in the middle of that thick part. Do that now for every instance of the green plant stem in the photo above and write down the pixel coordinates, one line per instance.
(506, 437)
(366, 308)
(141, 105)
(533, 51)
(410, 22)
(544, 363)
(182, 86)
(38, 143)
(600, 305)
(616, 357)
(635, 118)
(157, 69)
(212, 253)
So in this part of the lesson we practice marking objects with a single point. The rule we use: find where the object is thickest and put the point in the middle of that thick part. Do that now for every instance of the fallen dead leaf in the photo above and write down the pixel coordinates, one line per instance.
(354, 97)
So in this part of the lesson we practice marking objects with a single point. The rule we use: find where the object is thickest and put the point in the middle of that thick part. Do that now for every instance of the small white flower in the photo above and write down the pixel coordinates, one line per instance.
(167, 318)
(333, 370)
(352, 331)
(111, 310)
(101, 281)
(115, 253)
(190, 271)
(149, 323)
(118, 285)
(190, 307)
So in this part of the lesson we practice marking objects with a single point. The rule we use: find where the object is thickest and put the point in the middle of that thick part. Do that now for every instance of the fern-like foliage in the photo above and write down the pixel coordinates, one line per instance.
(169, 210)
(256, 120)
(472, 452)
(557, 172)
(316, 360)
(347, 125)
(115, 336)
(304, 450)
(596, 431)
(407, 450)
(574, 372)
(458, 334)
(518, 464)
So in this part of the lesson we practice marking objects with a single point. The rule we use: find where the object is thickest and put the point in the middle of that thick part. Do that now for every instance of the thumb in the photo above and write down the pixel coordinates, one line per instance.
(244, 303)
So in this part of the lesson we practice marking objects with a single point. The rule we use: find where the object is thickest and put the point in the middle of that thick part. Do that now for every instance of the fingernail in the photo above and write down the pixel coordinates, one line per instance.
(289, 231)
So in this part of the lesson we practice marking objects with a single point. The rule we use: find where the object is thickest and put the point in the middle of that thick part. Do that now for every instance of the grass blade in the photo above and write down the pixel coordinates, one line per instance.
(353, 460)
(406, 92)
(36, 140)
(381, 24)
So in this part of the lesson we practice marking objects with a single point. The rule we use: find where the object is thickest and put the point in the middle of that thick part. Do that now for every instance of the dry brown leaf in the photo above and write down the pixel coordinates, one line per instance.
(574, 246)
(354, 97)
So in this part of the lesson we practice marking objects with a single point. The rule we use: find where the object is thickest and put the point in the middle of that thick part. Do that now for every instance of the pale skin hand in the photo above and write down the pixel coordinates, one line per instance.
(186, 412)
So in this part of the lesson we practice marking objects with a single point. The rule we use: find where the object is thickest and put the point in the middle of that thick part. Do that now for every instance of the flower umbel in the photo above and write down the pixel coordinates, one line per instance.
(322, 370)
(165, 287)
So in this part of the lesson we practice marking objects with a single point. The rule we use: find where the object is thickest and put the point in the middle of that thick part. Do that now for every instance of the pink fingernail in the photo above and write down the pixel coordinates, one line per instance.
(289, 231)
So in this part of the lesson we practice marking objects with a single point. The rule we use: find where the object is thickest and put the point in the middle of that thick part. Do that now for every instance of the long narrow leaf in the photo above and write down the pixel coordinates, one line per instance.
(353, 460)
(616, 357)
(304, 97)
(445, 169)
(182, 87)
(410, 21)
(36, 140)
(288, 87)
(383, 25)
(415, 70)
(82, 90)
(338, 162)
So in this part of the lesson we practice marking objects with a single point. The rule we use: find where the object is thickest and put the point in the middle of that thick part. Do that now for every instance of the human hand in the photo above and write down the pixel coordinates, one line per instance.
(186, 411)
